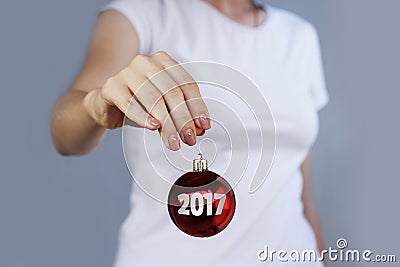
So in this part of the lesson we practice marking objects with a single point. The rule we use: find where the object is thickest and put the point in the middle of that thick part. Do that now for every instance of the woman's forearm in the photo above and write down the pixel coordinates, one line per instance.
(310, 211)
(311, 215)
(73, 130)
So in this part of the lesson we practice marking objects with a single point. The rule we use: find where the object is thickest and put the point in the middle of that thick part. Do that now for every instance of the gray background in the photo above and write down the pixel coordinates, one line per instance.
(57, 211)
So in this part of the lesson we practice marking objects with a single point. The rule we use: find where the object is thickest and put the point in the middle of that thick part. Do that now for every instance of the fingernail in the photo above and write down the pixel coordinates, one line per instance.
(205, 122)
(201, 133)
(173, 142)
(154, 122)
(189, 137)
(197, 122)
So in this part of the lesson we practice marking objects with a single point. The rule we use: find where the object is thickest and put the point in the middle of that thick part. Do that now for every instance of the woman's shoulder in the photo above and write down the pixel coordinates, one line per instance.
(138, 5)
(290, 20)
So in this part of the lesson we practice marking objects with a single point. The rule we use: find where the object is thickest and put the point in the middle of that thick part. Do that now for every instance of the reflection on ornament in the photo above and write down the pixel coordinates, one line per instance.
(201, 203)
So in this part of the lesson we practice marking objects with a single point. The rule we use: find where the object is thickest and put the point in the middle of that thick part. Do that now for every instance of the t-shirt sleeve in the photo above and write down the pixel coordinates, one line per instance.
(315, 70)
(139, 13)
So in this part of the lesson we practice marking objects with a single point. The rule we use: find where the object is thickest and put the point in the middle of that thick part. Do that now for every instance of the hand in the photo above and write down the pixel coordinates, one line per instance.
(153, 97)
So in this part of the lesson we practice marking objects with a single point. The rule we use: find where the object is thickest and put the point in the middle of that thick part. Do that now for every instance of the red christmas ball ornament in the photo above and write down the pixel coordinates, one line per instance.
(201, 203)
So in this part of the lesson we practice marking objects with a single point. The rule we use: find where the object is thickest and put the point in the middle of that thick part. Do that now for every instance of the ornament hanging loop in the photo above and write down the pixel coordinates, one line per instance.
(200, 164)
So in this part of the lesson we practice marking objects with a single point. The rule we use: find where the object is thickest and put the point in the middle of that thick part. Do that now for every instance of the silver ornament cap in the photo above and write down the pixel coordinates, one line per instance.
(200, 164)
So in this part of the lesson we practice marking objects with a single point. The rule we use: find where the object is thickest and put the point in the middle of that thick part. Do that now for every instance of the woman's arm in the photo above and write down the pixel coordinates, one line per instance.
(100, 96)
(310, 211)
(113, 45)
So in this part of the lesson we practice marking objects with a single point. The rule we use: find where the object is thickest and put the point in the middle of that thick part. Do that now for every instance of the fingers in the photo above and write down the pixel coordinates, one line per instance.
(158, 87)
(189, 87)
(175, 102)
(156, 93)
(152, 100)
(117, 93)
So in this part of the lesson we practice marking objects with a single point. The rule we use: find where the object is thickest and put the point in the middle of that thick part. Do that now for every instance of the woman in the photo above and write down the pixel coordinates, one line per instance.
(279, 51)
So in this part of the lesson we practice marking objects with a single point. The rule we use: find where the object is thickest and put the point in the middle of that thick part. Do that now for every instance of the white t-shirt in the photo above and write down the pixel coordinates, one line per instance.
(282, 57)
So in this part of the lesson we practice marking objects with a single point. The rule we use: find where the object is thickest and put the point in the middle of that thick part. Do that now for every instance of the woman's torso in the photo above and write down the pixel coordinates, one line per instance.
(273, 56)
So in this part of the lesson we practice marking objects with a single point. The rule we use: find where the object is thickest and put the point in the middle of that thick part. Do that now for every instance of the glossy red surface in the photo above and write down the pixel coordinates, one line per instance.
(208, 222)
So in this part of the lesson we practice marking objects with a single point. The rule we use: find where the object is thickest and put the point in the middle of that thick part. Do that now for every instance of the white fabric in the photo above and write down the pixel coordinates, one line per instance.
(282, 57)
